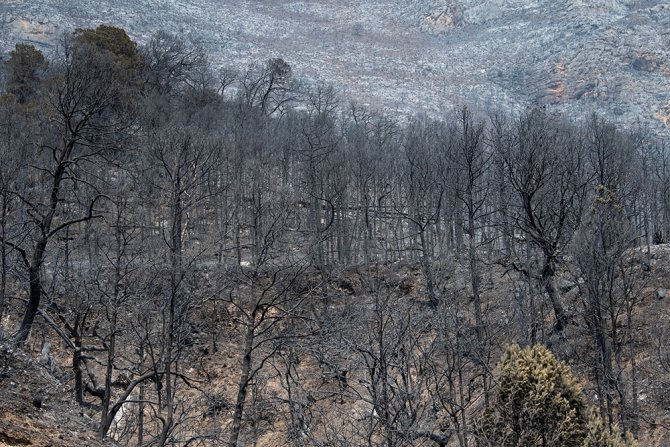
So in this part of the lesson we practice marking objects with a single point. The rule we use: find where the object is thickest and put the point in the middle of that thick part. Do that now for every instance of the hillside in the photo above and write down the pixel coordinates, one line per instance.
(36, 407)
(327, 385)
(185, 267)
(609, 57)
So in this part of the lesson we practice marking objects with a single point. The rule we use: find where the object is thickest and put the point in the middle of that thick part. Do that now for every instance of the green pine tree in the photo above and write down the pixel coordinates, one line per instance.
(539, 403)
(23, 70)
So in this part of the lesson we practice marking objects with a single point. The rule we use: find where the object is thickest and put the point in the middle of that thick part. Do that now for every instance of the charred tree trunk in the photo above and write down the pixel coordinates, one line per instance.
(243, 384)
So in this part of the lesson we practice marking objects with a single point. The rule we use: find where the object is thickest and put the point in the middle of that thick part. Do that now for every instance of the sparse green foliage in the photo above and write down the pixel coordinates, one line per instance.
(268, 87)
(597, 434)
(113, 44)
(279, 69)
(23, 70)
(269, 236)
(540, 403)
(108, 38)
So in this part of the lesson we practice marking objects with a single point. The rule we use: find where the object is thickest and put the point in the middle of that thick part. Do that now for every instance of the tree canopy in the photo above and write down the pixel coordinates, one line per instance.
(23, 70)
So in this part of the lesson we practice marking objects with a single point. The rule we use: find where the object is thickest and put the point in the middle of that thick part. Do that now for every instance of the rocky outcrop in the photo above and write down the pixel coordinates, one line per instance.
(577, 56)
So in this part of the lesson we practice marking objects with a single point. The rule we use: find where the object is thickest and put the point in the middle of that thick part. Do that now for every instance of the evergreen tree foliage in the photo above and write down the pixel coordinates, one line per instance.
(115, 46)
(598, 435)
(23, 70)
(540, 403)
(108, 38)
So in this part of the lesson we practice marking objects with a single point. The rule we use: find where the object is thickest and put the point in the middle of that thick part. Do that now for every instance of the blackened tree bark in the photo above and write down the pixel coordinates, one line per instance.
(184, 158)
(82, 124)
(423, 195)
(473, 161)
(601, 250)
(266, 302)
(545, 168)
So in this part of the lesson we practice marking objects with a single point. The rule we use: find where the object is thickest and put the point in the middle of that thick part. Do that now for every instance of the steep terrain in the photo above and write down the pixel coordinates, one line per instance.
(258, 337)
(604, 56)
(37, 408)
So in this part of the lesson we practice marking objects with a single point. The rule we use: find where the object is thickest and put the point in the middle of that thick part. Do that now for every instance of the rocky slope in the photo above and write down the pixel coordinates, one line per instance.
(578, 56)
(36, 407)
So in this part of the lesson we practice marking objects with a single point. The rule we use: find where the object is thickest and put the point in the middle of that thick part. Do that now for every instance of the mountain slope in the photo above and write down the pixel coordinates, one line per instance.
(578, 56)
(36, 408)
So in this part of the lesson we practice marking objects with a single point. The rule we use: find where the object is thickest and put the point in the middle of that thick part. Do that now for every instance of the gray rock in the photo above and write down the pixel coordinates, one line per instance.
(577, 56)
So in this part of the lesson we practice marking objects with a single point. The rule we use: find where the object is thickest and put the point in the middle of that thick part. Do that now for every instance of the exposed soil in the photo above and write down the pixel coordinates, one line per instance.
(36, 409)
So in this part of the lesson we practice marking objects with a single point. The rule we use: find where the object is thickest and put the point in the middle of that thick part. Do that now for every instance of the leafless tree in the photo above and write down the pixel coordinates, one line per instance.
(81, 125)
(262, 295)
(422, 195)
(602, 253)
(544, 165)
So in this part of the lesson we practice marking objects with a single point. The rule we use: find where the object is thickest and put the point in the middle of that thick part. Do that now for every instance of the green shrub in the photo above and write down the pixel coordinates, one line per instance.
(540, 403)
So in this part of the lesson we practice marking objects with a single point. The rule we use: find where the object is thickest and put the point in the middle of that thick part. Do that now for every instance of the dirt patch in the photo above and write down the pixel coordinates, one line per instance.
(36, 409)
